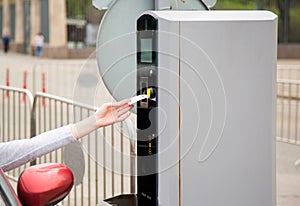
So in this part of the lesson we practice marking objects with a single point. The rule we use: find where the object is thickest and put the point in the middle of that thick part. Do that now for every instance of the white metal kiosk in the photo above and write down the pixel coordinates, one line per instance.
(215, 110)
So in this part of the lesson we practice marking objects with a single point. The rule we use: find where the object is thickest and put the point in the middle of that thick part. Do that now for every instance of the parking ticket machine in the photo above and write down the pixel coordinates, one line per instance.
(206, 132)
(215, 89)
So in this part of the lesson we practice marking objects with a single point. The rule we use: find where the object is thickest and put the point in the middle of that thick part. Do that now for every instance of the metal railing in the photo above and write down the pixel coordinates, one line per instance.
(288, 111)
(16, 119)
(288, 72)
(108, 153)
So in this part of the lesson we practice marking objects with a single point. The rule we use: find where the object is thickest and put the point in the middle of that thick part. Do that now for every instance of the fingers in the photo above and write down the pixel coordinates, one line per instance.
(123, 117)
(116, 106)
(123, 110)
(116, 112)
(122, 103)
(122, 106)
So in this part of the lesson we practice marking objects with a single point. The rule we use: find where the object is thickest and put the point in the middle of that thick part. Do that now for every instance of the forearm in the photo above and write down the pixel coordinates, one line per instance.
(105, 115)
(84, 127)
(15, 153)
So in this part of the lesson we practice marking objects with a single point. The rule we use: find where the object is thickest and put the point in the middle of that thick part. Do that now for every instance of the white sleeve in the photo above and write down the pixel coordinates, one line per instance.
(15, 153)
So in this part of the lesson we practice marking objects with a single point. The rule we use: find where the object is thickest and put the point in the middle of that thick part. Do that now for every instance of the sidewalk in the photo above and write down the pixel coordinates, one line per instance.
(289, 62)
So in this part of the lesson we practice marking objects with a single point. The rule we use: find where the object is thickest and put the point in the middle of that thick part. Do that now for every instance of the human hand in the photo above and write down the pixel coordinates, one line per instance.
(110, 113)
(107, 114)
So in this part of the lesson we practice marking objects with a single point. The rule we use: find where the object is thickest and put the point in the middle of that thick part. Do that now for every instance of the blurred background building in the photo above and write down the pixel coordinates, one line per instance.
(70, 26)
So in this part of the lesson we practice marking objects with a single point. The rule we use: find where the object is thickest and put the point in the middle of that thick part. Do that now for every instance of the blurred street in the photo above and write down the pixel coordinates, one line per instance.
(77, 79)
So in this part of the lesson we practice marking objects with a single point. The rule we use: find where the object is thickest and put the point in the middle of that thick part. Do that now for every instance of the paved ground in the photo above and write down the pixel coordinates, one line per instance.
(79, 80)
(288, 176)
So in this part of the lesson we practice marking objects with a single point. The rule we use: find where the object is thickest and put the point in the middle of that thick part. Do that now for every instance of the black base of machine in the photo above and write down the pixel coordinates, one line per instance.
(123, 200)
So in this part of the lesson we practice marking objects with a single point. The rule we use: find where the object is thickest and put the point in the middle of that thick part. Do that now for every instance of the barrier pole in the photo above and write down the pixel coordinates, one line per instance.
(24, 84)
(43, 88)
(7, 82)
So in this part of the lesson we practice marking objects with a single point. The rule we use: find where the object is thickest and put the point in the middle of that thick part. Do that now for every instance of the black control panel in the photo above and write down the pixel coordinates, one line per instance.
(147, 138)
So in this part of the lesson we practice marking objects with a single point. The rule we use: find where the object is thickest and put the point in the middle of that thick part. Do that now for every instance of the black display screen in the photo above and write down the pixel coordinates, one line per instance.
(146, 50)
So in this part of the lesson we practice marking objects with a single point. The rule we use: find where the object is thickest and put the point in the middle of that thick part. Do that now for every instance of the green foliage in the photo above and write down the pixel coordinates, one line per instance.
(83, 10)
(234, 5)
(76, 9)
(295, 25)
(294, 35)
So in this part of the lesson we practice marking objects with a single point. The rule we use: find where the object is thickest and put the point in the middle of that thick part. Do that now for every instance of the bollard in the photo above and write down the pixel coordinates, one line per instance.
(43, 88)
(7, 82)
(24, 84)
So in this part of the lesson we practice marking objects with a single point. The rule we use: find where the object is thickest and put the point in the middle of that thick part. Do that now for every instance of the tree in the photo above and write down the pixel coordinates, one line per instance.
(284, 10)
